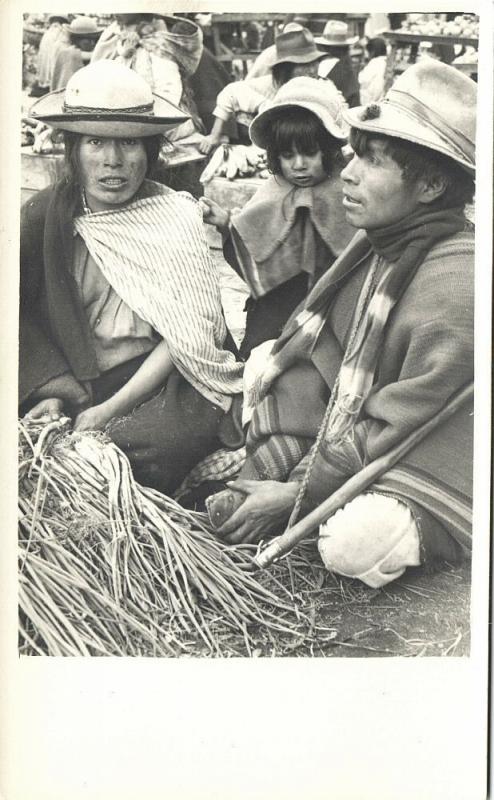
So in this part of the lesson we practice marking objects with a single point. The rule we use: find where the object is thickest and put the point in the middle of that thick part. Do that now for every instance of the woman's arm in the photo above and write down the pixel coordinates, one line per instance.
(150, 376)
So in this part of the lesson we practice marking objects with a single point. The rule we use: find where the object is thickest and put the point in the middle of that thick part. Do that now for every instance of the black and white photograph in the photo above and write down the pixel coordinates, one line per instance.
(249, 321)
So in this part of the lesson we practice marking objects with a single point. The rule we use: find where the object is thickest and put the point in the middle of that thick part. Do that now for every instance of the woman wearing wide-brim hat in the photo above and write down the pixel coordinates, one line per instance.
(121, 321)
(335, 42)
(296, 55)
(83, 33)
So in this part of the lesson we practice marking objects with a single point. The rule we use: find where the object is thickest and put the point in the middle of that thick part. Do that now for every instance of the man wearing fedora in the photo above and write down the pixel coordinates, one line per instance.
(337, 66)
(296, 55)
(382, 343)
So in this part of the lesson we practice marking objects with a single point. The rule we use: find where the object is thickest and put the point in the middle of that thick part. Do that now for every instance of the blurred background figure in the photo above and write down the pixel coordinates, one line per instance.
(371, 77)
(296, 55)
(165, 51)
(54, 38)
(83, 34)
(266, 58)
(335, 42)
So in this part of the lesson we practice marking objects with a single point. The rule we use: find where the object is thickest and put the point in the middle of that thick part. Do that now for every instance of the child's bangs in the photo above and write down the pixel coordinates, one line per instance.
(300, 129)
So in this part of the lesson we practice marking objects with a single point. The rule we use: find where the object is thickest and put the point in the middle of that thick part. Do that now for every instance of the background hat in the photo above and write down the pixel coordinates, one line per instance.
(335, 34)
(320, 97)
(59, 17)
(84, 26)
(431, 104)
(296, 47)
(107, 99)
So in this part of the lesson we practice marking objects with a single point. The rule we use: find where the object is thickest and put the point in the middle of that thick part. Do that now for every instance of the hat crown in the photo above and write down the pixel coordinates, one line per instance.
(336, 32)
(444, 91)
(83, 25)
(106, 85)
(295, 43)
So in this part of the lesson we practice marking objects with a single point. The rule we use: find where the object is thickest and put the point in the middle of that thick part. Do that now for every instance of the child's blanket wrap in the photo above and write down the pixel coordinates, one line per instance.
(411, 352)
(273, 243)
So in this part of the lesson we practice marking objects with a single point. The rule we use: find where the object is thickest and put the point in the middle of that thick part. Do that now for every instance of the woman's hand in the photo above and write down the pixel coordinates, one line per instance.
(48, 410)
(265, 509)
(93, 419)
(214, 214)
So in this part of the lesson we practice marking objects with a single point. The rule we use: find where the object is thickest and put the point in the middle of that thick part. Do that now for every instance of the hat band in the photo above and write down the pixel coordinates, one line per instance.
(454, 138)
(92, 110)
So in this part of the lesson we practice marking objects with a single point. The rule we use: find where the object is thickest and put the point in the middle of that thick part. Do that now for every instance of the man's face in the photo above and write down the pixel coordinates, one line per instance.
(112, 170)
(374, 192)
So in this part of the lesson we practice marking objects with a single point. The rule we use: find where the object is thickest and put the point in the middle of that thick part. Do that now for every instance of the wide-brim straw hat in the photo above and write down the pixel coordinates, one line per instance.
(335, 34)
(431, 104)
(85, 27)
(296, 47)
(108, 99)
(320, 97)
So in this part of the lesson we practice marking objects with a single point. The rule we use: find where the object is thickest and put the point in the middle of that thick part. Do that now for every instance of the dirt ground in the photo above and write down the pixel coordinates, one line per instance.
(419, 615)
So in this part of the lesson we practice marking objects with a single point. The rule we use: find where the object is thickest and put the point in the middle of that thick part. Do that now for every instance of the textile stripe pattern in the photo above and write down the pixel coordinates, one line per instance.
(171, 283)
(451, 507)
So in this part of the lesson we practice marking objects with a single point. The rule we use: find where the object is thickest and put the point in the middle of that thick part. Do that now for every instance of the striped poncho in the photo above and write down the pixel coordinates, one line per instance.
(154, 254)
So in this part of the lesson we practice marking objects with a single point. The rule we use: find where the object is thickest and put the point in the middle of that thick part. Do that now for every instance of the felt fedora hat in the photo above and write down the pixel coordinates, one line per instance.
(335, 34)
(107, 99)
(431, 104)
(297, 47)
(84, 27)
(320, 97)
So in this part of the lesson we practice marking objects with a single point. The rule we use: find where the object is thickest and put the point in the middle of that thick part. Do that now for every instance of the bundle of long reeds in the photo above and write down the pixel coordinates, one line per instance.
(108, 567)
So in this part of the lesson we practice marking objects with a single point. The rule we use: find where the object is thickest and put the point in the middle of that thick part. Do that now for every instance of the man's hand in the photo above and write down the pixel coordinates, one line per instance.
(47, 410)
(214, 214)
(265, 510)
(92, 419)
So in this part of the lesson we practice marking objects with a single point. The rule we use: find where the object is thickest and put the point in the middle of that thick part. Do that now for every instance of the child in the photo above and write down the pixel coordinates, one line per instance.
(294, 227)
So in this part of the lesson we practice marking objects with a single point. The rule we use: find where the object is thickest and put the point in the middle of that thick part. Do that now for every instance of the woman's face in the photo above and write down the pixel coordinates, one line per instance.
(112, 170)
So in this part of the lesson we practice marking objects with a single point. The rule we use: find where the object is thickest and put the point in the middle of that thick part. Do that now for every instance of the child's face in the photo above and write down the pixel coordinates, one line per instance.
(302, 169)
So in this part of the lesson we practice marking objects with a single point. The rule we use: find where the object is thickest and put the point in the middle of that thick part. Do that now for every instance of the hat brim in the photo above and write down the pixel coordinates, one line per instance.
(396, 122)
(259, 127)
(88, 35)
(320, 40)
(301, 59)
(165, 117)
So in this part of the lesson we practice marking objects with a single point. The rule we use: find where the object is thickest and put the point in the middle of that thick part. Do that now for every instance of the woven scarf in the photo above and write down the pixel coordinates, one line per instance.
(278, 239)
(402, 248)
(154, 254)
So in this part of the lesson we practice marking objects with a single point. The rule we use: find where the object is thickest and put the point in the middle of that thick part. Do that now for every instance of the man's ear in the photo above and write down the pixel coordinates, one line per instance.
(431, 188)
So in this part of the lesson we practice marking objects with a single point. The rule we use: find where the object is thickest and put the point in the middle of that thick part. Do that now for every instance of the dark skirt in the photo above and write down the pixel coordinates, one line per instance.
(168, 434)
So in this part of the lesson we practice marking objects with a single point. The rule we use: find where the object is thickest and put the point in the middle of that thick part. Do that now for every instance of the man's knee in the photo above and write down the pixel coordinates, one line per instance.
(373, 538)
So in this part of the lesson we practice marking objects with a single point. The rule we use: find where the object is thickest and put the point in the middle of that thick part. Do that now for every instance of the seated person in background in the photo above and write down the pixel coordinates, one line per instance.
(371, 77)
(293, 228)
(382, 343)
(337, 66)
(121, 324)
(297, 55)
(54, 38)
(83, 34)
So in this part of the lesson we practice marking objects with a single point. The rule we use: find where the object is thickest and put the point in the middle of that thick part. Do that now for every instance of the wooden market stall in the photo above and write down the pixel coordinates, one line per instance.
(398, 39)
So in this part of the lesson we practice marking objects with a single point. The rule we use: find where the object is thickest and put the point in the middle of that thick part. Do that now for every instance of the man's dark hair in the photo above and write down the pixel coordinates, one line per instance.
(301, 129)
(418, 163)
(72, 171)
(283, 72)
(376, 47)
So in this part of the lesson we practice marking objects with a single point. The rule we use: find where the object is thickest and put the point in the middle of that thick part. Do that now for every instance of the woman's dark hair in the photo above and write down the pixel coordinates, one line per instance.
(300, 128)
(421, 163)
(376, 47)
(71, 140)
(283, 72)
